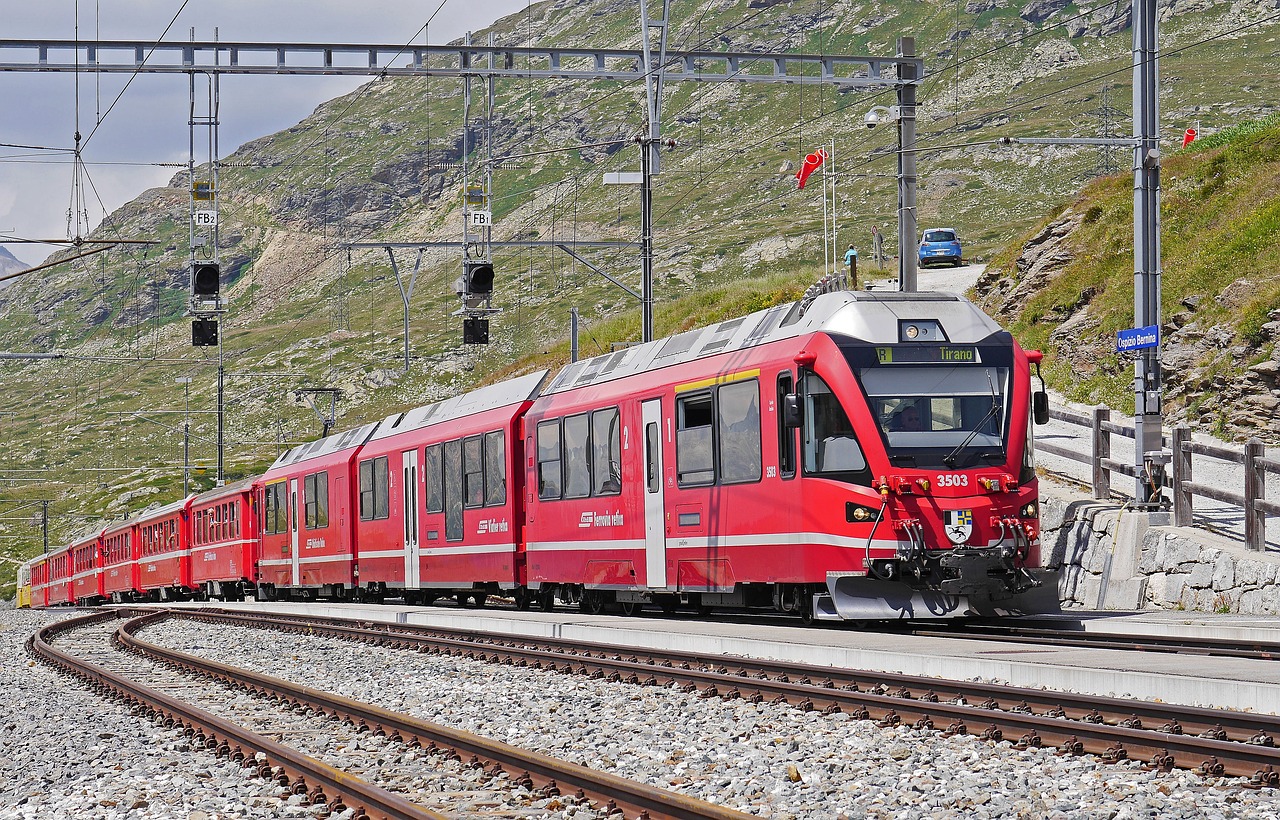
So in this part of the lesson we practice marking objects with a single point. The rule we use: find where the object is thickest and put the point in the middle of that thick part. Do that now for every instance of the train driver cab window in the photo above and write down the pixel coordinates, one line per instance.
(830, 446)
(940, 416)
(549, 459)
(738, 414)
(694, 462)
(315, 490)
(453, 493)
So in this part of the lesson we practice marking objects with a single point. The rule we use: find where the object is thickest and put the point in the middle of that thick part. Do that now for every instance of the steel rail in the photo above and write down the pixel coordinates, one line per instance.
(1190, 645)
(1073, 722)
(609, 791)
(225, 738)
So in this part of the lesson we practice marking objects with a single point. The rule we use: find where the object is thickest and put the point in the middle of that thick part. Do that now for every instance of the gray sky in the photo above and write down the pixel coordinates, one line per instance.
(149, 123)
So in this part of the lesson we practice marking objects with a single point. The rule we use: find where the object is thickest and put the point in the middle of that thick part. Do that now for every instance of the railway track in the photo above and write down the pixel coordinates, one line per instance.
(1215, 742)
(1056, 636)
(221, 709)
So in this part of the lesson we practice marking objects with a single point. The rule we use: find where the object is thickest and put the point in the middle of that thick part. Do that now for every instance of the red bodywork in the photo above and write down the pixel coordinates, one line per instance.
(39, 582)
(86, 570)
(120, 562)
(163, 540)
(224, 538)
(59, 588)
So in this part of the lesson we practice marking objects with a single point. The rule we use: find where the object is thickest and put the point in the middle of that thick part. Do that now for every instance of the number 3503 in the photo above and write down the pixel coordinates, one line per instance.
(952, 480)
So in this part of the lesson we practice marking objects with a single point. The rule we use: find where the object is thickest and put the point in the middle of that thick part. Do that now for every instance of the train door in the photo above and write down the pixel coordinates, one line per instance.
(295, 552)
(412, 563)
(655, 534)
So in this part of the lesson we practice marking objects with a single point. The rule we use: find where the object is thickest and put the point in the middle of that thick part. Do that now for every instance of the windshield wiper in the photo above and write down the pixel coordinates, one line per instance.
(950, 458)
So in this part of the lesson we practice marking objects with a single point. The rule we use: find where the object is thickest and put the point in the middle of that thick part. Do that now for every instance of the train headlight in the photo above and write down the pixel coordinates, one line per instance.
(857, 514)
(1029, 510)
(912, 331)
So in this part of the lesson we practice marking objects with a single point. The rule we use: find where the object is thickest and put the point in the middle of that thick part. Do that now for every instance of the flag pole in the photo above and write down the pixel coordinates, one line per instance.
(835, 233)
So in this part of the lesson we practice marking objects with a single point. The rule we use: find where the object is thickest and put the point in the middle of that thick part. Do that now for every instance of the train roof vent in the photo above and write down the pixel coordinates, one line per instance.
(613, 361)
(722, 335)
(567, 376)
(679, 344)
(768, 323)
(399, 419)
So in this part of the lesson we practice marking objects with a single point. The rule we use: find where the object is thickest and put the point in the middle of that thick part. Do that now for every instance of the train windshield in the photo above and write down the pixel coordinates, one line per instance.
(946, 416)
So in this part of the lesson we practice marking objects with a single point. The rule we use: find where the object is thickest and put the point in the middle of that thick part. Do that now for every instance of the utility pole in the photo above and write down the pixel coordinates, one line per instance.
(185, 381)
(1149, 451)
(907, 79)
(650, 143)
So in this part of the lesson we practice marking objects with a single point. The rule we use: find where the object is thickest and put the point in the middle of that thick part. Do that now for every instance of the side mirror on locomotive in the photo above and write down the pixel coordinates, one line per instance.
(792, 415)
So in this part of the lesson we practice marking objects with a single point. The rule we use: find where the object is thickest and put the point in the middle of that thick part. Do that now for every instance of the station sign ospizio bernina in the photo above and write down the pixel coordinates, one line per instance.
(1137, 338)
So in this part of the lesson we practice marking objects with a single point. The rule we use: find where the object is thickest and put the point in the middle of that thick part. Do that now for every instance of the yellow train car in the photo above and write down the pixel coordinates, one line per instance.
(24, 586)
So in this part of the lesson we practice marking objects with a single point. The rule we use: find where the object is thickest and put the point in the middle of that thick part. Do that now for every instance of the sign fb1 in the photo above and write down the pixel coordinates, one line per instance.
(1137, 338)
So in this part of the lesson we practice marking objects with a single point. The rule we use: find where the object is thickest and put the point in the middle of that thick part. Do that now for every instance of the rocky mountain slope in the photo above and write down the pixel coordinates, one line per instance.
(382, 164)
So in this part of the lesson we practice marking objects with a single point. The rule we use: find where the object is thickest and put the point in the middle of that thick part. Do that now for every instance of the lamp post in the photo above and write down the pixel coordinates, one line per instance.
(185, 381)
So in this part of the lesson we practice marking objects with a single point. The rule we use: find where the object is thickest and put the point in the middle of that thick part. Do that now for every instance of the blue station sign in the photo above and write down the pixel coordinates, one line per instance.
(1137, 338)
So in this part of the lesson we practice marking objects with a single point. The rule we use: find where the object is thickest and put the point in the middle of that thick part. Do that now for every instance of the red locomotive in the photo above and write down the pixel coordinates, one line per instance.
(851, 456)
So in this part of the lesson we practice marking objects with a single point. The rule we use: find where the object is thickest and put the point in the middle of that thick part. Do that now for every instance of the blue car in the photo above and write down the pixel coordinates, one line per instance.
(940, 245)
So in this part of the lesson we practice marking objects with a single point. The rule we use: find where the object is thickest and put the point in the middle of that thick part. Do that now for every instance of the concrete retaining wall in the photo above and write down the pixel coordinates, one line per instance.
(1113, 558)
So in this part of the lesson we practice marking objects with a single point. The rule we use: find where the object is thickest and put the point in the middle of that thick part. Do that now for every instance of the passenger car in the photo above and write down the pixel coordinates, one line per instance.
(939, 245)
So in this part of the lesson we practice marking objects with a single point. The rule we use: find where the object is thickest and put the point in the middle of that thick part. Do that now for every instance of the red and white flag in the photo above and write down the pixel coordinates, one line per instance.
(810, 164)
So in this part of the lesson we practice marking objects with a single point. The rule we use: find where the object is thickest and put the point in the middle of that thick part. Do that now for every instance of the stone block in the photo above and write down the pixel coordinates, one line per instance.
(1088, 591)
(1125, 593)
(1178, 550)
(1251, 602)
(1149, 560)
(1271, 600)
(1201, 576)
(1098, 559)
(1249, 571)
(1224, 572)
(1169, 592)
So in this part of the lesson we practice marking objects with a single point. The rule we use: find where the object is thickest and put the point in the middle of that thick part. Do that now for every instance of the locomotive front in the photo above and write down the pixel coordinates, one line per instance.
(940, 399)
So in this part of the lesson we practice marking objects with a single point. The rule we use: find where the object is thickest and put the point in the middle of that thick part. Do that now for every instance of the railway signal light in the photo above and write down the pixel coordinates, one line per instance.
(479, 278)
(475, 331)
(204, 333)
(206, 278)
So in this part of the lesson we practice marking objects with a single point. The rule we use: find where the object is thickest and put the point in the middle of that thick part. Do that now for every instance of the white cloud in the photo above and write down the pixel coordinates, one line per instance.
(148, 125)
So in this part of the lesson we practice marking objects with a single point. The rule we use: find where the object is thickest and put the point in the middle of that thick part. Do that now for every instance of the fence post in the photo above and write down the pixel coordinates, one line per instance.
(1182, 475)
(1255, 520)
(1101, 450)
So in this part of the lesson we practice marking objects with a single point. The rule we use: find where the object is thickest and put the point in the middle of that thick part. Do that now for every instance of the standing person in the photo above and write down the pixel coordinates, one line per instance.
(877, 246)
(851, 259)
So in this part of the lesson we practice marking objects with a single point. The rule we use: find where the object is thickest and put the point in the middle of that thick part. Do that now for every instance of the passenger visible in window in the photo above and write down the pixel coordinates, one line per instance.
(906, 419)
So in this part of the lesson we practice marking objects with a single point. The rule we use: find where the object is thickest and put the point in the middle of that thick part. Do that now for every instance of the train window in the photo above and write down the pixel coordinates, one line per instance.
(786, 435)
(473, 471)
(606, 452)
(694, 463)
(946, 416)
(652, 480)
(433, 472)
(738, 418)
(549, 459)
(375, 488)
(830, 445)
(577, 469)
(275, 508)
(453, 529)
(315, 491)
(495, 468)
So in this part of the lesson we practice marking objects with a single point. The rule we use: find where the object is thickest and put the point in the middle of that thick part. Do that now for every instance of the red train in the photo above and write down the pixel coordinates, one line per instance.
(851, 456)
